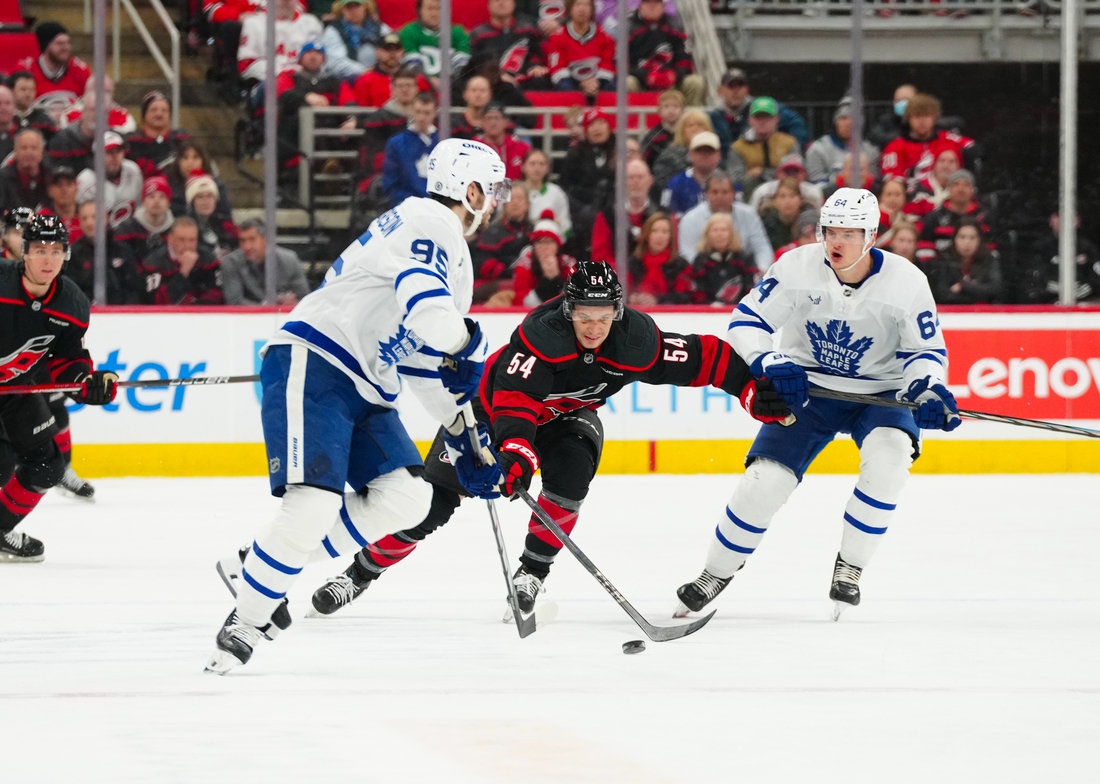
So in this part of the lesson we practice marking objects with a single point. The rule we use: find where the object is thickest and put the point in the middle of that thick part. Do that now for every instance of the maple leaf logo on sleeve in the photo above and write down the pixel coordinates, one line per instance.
(834, 349)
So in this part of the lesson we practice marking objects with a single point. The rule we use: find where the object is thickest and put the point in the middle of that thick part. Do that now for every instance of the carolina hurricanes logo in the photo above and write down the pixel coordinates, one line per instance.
(512, 61)
(584, 69)
(24, 358)
(551, 9)
(660, 59)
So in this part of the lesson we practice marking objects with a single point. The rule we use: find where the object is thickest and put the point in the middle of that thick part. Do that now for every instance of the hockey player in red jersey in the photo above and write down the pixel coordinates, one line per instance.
(539, 396)
(43, 316)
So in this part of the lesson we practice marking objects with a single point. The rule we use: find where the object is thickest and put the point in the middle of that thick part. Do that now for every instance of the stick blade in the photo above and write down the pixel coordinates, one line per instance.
(666, 633)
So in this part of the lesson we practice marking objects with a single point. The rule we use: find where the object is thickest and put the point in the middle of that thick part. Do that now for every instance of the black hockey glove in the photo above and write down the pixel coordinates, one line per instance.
(519, 463)
(764, 403)
(98, 388)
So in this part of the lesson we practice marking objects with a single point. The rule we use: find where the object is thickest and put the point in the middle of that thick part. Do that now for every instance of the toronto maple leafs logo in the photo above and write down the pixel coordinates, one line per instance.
(834, 348)
(401, 346)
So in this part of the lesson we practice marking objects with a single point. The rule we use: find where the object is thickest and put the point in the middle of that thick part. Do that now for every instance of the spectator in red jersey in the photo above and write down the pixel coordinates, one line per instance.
(145, 231)
(310, 85)
(495, 134)
(723, 272)
(24, 90)
(193, 159)
(375, 86)
(659, 58)
(911, 154)
(9, 125)
(351, 40)
(515, 43)
(891, 205)
(225, 17)
(119, 118)
(23, 182)
(476, 95)
(903, 240)
(931, 191)
(56, 69)
(967, 272)
(156, 144)
(180, 272)
(670, 105)
(496, 249)
(62, 191)
(542, 269)
(658, 275)
(123, 181)
(217, 232)
(639, 208)
(125, 286)
(581, 56)
(939, 225)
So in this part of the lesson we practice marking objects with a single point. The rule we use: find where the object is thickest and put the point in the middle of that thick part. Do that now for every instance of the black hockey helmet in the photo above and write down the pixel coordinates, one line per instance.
(593, 283)
(17, 217)
(45, 228)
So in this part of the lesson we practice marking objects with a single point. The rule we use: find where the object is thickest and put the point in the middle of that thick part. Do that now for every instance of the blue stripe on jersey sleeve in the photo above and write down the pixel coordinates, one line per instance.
(923, 355)
(755, 319)
(424, 295)
(906, 354)
(418, 372)
(419, 271)
(431, 352)
(330, 346)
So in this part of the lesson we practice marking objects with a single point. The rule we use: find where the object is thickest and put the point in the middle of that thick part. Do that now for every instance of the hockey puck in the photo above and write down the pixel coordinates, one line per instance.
(634, 646)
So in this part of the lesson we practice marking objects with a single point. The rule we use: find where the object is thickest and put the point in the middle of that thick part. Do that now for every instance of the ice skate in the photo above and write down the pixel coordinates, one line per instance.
(235, 643)
(229, 569)
(75, 487)
(338, 592)
(845, 588)
(527, 588)
(697, 594)
(17, 547)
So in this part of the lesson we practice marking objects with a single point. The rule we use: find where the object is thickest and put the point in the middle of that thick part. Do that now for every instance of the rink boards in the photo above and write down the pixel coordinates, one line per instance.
(1040, 365)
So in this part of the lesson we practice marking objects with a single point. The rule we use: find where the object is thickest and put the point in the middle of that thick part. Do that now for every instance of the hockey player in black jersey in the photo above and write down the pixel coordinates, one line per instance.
(540, 396)
(43, 317)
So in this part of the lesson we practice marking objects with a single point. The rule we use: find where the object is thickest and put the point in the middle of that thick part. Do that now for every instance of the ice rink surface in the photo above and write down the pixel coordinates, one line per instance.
(973, 658)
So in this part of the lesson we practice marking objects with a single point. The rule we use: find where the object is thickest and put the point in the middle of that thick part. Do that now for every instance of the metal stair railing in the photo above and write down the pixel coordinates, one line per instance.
(171, 69)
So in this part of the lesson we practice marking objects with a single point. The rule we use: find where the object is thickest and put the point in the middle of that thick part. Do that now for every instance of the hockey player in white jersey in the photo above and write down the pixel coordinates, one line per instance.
(396, 295)
(845, 316)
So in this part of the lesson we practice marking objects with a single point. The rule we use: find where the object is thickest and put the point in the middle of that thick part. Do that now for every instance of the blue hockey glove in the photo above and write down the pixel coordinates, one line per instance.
(936, 407)
(789, 379)
(480, 481)
(461, 372)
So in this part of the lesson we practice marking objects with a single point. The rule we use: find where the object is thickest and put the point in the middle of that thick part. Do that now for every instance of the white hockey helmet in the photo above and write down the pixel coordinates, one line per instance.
(455, 163)
(850, 208)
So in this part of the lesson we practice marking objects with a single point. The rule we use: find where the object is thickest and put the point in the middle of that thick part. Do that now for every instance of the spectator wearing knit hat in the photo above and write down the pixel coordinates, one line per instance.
(144, 232)
(193, 159)
(56, 69)
(123, 187)
(541, 270)
(825, 157)
(155, 144)
(243, 274)
(217, 232)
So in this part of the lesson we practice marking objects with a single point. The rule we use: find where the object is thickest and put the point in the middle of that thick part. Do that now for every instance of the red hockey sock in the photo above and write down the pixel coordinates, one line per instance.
(566, 518)
(16, 502)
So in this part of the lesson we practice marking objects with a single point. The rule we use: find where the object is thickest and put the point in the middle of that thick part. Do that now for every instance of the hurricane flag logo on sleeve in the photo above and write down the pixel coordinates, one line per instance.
(24, 358)
(834, 348)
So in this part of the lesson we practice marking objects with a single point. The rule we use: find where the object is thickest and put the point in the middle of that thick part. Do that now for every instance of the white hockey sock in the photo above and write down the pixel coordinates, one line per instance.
(765, 487)
(281, 549)
(392, 503)
(885, 458)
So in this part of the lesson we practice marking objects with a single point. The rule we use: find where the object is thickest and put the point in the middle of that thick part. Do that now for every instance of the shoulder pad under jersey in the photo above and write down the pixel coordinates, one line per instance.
(548, 334)
(633, 343)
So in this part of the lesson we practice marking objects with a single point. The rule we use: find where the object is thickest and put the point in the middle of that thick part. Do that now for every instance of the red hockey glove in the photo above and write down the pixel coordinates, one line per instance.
(98, 388)
(764, 404)
(519, 463)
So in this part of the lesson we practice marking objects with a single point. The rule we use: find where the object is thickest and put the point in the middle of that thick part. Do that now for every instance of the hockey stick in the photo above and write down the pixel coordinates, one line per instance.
(1039, 424)
(526, 626)
(198, 381)
(655, 633)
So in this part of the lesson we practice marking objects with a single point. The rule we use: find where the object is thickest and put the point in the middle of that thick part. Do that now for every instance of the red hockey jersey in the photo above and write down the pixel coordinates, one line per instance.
(591, 56)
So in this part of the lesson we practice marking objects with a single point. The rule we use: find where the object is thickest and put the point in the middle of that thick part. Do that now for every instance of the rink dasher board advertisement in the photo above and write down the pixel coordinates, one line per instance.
(1038, 365)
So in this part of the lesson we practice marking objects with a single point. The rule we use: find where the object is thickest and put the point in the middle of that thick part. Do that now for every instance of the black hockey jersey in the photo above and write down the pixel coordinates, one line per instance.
(48, 330)
(518, 48)
(543, 372)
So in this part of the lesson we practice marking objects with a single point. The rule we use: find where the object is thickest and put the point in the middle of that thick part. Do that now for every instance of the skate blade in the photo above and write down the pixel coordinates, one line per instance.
(88, 499)
(544, 613)
(12, 558)
(221, 662)
(681, 611)
(839, 608)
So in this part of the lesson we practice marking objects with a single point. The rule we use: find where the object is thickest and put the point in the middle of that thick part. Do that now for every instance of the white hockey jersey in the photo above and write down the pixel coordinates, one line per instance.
(290, 35)
(395, 295)
(875, 337)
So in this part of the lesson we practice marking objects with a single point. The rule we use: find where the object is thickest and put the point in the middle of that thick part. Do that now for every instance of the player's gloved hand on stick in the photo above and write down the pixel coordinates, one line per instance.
(764, 404)
(98, 388)
(461, 371)
(481, 479)
(519, 463)
(789, 379)
(936, 406)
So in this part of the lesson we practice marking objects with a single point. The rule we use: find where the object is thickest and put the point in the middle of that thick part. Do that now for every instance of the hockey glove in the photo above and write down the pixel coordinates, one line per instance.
(764, 404)
(98, 388)
(481, 480)
(936, 406)
(461, 372)
(789, 379)
(519, 463)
